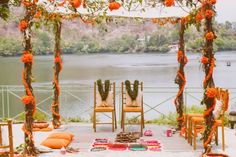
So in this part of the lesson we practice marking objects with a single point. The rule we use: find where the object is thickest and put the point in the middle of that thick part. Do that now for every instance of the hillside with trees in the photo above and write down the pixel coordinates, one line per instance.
(121, 36)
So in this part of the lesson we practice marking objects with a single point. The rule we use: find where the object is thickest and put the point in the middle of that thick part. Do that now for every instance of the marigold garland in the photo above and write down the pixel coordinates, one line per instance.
(27, 57)
(209, 13)
(198, 17)
(204, 60)
(169, 3)
(114, 6)
(38, 14)
(185, 20)
(180, 56)
(27, 99)
(211, 92)
(209, 75)
(210, 36)
(23, 25)
(213, 129)
(75, 3)
(181, 90)
(212, 2)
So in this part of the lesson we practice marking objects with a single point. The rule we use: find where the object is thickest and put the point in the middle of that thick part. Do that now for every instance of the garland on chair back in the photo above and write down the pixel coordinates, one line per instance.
(103, 93)
(132, 93)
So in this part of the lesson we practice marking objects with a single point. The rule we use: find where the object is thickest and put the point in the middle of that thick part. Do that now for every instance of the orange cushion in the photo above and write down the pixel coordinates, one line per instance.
(55, 143)
(198, 119)
(62, 135)
(132, 109)
(40, 125)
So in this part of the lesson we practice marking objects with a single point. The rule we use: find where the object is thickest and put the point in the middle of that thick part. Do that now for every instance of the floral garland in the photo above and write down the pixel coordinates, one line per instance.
(132, 93)
(103, 92)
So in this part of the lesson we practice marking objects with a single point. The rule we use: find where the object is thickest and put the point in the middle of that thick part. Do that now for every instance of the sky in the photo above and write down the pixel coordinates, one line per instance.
(226, 10)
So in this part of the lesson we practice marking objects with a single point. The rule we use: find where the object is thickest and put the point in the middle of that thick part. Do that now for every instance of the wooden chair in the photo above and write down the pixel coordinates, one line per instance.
(10, 138)
(197, 123)
(127, 109)
(100, 109)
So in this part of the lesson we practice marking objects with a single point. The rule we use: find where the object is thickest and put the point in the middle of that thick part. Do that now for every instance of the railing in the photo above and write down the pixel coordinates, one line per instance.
(77, 100)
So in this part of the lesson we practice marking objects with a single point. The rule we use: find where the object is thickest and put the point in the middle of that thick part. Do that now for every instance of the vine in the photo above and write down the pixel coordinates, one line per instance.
(132, 93)
(103, 92)
(57, 69)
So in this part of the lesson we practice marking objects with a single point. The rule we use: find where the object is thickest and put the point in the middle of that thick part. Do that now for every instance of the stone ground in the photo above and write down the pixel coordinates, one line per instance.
(174, 146)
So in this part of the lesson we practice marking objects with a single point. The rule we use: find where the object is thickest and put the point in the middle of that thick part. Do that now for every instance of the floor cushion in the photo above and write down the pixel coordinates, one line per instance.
(55, 143)
(62, 135)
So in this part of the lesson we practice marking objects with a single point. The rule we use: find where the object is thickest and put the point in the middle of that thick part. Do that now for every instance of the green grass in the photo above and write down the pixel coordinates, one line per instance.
(40, 116)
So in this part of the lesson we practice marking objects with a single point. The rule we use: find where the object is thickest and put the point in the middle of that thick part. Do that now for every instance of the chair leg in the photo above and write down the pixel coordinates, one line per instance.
(113, 118)
(223, 137)
(190, 132)
(94, 121)
(141, 124)
(142, 120)
(123, 123)
(194, 137)
(186, 128)
(10, 138)
(216, 137)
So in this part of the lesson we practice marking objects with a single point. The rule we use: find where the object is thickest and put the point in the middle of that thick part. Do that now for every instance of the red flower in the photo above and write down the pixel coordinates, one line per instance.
(209, 13)
(114, 6)
(23, 25)
(75, 3)
(204, 60)
(198, 17)
(169, 3)
(27, 99)
(210, 36)
(211, 92)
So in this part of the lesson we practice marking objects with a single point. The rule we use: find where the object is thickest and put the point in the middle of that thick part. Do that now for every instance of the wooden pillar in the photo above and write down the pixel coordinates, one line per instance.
(29, 99)
(57, 68)
(180, 77)
(208, 68)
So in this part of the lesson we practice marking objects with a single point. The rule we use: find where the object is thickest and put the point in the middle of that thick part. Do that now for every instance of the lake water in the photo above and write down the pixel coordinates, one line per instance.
(155, 70)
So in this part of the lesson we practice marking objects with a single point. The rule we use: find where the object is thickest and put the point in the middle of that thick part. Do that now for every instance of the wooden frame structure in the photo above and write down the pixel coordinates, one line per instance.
(126, 109)
(10, 138)
(111, 109)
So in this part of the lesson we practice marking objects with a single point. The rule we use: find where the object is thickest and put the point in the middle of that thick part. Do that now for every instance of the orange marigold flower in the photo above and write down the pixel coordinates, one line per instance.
(23, 25)
(211, 92)
(198, 17)
(38, 14)
(154, 20)
(169, 3)
(26, 3)
(210, 36)
(75, 3)
(209, 13)
(212, 2)
(180, 55)
(27, 99)
(57, 59)
(204, 60)
(114, 6)
(27, 58)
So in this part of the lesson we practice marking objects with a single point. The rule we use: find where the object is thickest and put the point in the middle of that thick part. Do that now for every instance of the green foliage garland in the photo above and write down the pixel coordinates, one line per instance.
(132, 93)
(103, 93)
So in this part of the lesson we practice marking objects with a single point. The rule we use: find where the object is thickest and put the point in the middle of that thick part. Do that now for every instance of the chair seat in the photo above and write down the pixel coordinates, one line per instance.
(197, 119)
(132, 109)
(104, 109)
(194, 115)
(219, 122)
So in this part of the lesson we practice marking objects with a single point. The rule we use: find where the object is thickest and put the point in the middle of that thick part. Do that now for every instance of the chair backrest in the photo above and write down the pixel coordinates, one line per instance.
(112, 89)
(124, 93)
(10, 137)
(224, 95)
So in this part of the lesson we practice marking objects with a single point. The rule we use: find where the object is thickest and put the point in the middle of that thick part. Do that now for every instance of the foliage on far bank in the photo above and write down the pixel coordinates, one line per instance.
(127, 36)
